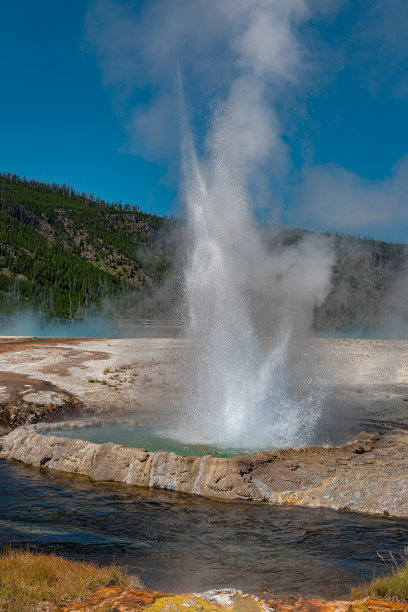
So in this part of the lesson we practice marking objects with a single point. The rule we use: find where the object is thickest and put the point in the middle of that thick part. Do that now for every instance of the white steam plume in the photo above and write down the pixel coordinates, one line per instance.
(138, 50)
(237, 393)
(239, 57)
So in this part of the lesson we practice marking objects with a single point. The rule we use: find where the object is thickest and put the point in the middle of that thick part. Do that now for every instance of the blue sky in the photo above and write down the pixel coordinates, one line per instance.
(72, 96)
(59, 123)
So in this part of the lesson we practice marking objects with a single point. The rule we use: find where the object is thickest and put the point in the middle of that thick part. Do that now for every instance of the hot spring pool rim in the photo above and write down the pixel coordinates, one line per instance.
(367, 475)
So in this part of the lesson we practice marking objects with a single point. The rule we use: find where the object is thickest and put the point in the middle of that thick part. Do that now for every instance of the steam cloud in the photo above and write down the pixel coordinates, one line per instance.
(265, 54)
(334, 198)
(239, 59)
(243, 53)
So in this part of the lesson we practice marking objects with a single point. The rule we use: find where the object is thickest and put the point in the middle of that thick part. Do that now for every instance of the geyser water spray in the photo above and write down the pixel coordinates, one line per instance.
(245, 58)
(237, 393)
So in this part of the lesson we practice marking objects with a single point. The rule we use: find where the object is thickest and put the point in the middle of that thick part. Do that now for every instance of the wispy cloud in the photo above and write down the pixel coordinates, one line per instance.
(258, 61)
(243, 54)
(333, 198)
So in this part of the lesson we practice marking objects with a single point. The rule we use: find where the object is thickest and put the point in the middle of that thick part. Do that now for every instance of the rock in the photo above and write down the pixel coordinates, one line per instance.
(375, 481)
(33, 407)
(222, 600)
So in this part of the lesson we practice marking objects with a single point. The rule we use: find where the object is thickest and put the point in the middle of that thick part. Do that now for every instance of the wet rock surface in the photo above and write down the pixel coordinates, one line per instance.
(368, 475)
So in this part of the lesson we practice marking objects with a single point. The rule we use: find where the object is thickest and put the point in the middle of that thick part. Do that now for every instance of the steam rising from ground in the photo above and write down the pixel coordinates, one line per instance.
(240, 59)
(239, 393)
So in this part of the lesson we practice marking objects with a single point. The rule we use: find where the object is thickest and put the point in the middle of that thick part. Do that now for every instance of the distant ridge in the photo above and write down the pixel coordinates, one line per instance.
(369, 282)
(67, 254)
(63, 252)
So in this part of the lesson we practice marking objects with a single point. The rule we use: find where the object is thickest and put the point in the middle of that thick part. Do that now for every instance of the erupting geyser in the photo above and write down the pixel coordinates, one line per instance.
(238, 394)
(241, 58)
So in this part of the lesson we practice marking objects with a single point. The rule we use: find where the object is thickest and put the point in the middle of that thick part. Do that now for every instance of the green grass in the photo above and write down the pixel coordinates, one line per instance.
(27, 579)
(392, 587)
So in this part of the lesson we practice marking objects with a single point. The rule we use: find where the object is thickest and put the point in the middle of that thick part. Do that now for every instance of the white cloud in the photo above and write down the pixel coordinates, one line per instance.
(334, 198)
(239, 56)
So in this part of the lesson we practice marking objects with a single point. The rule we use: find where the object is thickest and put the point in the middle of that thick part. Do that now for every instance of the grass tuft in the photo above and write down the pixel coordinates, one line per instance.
(392, 587)
(28, 580)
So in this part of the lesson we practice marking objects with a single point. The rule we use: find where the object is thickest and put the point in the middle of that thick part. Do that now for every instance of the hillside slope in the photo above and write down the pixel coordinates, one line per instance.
(67, 254)
(63, 252)
(369, 281)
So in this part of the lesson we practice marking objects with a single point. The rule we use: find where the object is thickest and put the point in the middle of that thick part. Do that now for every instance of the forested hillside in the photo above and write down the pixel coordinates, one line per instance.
(62, 252)
(68, 254)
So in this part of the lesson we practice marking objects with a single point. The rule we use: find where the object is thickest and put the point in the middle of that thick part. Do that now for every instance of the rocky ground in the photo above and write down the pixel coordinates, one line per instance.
(44, 379)
(368, 475)
(229, 600)
(53, 379)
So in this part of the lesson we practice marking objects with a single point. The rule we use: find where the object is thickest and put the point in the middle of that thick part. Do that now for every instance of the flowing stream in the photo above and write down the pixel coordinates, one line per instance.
(186, 543)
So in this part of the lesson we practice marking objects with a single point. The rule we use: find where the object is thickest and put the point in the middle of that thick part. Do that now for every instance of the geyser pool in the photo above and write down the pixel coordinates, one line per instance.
(144, 436)
(185, 543)
(154, 435)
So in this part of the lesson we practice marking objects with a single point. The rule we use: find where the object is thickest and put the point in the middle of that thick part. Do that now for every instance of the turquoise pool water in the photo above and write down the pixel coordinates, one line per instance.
(146, 437)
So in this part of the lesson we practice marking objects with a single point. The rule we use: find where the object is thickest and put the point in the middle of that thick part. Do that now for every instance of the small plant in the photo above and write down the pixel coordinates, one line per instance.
(27, 580)
(392, 586)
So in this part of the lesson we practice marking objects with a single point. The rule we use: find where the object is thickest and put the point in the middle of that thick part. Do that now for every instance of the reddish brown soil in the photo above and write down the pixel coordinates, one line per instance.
(118, 600)
(21, 344)
(16, 382)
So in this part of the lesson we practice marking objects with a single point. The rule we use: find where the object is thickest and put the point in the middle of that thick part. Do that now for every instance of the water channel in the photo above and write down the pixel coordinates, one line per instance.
(177, 542)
